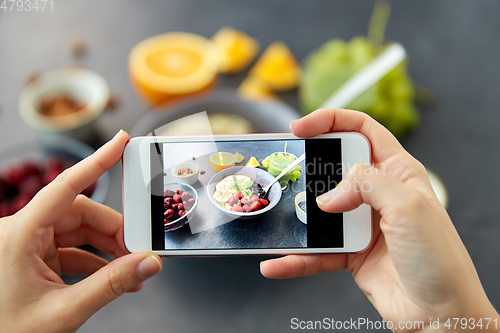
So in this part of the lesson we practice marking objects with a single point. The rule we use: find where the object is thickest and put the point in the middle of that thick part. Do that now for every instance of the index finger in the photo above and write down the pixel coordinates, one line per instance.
(54, 200)
(384, 144)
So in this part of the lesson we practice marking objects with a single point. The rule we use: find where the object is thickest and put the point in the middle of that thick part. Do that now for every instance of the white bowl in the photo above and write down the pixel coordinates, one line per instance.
(256, 174)
(191, 179)
(301, 215)
(83, 84)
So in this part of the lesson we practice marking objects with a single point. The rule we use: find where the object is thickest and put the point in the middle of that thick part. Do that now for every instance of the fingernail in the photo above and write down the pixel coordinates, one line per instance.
(292, 123)
(117, 134)
(149, 267)
(325, 198)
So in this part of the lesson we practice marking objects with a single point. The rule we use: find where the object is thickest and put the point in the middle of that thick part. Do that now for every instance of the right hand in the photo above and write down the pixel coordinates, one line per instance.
(416, 267)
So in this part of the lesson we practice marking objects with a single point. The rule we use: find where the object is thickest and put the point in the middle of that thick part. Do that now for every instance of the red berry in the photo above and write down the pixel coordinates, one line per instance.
(237, 208)
(264, 202)
(177, 198)
(169, 193)
(182, 213)
(255, 206)
(192, 200)
(167, 202)
(14, 176)
(254, 198)
(180, 206)
(19, 202)
(30, 168)
(179, 191)
(244, 201)
(54, 165)
(5, 209)
(240, 195)
(245, 208)
(232, 200)
(186, 196)
(31, 185)
(49, 176)
(168, 213)
(187, 205)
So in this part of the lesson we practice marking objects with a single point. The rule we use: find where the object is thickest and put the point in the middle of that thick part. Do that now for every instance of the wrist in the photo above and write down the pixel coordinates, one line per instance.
(475, 315)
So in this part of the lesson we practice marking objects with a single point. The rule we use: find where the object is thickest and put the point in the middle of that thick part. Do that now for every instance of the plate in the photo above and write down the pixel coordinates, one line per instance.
(266, 117)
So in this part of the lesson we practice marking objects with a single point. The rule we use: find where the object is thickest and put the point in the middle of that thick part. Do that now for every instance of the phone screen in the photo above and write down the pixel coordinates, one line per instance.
(215, 199)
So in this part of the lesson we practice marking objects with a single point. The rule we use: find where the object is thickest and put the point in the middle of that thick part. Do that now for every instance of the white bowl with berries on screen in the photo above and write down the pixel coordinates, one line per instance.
(179, 203)
(238, 192)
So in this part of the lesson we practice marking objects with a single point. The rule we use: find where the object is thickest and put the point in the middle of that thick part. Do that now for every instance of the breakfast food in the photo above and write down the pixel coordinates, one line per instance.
(19, 183)
(238, 157)
(237, 48)
(185, 172)
(239, 193)
(59, 105)
(275, 169)
(220, 123)
(176, 205)
(277, 67)
(252, 162)
(172, 66)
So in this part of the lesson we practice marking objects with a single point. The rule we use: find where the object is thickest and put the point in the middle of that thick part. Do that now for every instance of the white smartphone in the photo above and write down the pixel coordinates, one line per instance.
(206, 195)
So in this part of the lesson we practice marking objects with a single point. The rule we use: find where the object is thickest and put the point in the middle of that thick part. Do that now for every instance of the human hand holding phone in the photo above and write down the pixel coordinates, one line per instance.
(416, 267)
(39, 243)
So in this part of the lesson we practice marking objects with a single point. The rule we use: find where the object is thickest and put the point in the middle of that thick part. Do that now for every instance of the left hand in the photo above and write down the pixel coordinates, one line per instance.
(38, 244)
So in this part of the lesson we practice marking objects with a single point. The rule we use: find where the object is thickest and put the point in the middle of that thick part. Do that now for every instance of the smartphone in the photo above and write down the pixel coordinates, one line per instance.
(206, 195)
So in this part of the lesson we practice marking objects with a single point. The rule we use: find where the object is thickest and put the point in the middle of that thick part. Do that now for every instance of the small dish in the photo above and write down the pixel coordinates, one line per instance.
(257, 175)
(221, 161)
(183, 220)
(301, 214)
(188, 179)
(84, 85)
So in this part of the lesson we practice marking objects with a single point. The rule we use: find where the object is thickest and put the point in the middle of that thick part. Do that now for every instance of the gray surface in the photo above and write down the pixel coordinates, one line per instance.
(210, 228)
(453, 47)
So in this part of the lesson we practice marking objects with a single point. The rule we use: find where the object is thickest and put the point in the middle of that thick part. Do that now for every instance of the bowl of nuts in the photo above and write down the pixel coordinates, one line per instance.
(64, 102)
(186, 172)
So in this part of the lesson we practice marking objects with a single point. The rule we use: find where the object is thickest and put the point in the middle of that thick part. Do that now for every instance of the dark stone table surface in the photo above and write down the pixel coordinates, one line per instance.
(453, 50)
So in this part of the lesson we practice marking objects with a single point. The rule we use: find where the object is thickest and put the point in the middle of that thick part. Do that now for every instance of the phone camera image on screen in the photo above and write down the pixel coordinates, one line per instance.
(217, 199)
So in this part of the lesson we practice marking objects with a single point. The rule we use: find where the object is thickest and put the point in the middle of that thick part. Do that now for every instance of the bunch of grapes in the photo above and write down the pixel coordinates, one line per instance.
(390, 101)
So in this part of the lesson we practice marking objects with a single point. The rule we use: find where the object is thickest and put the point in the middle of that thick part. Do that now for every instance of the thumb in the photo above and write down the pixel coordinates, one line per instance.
(366, 184)
(112, 281)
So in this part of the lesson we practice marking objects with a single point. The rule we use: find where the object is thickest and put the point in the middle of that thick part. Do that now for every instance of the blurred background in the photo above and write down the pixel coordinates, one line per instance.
(80, 69)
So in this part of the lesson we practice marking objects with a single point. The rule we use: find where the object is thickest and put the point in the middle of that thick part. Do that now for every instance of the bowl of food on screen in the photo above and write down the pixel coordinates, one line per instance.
(238, 192)
(186, 172)
(25, 169)
(179, 204)
(66, 102)
(300, 207)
